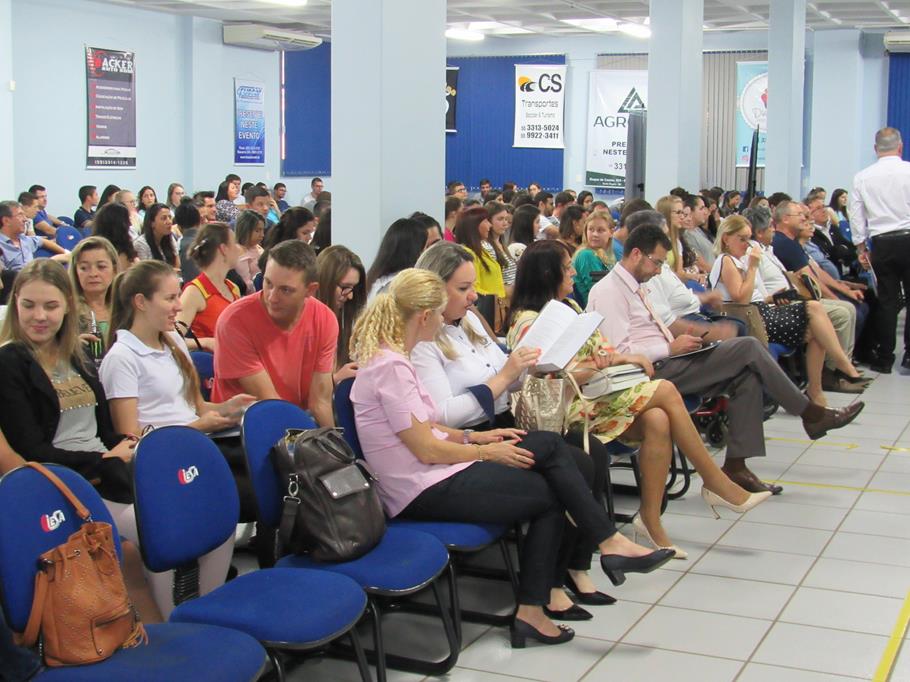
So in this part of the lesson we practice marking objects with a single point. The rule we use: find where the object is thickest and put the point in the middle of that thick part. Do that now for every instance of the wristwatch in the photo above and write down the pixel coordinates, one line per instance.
(466, 436)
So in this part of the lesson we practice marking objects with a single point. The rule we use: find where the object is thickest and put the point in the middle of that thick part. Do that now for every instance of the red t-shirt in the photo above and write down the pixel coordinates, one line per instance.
(248, 342)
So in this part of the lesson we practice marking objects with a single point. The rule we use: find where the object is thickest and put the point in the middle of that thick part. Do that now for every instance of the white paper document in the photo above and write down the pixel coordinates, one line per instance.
(560, 333)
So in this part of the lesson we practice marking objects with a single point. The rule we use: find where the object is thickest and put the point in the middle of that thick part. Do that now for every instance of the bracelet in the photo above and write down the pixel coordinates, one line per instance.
(479, 452)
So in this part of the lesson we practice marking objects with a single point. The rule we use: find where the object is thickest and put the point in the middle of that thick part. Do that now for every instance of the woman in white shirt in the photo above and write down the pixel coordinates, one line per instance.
(736, 276)
(470, 378)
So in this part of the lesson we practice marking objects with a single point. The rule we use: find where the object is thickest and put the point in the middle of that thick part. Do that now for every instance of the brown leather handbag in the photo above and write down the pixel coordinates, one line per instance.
(80, 605)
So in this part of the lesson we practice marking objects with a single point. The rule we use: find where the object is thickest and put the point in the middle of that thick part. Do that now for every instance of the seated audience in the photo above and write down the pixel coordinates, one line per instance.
(281, 342)
(188, 219)
(453, 207)
(128, 199)
(108, 195)
(651, 413)
(279, 192)
(258, 199)
(549, 226)
(735, 275)
(250, 230)
(322, 237)
(426, 470)
(88, 198)
(400, 247)
(205, 298)
(342, 287)
(571, 226)
(698, 237)
(175, 194)
(297, 223)
(157, 240)
(630, 323)
(225, 209)
(434, 231)
(470, 379)
(730, 203)
(525, 226)
(500, 223)
(585, 199)
(147, 197)
(595, 254)
(29, 204)
(204, 201)
(45, 224)
(472, 230)
(54, 406)
(92, 272)
(113, 223)
(16, 248)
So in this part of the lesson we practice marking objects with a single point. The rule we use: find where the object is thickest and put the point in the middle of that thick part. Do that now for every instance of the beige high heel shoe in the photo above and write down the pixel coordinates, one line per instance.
(638, 528)
(713, 500)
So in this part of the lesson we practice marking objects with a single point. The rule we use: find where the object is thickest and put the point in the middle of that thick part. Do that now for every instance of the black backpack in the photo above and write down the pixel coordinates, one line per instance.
(331, 511)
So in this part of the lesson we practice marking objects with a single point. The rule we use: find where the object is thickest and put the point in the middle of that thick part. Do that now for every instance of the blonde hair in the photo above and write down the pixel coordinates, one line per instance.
(67, 337)
(412, 291)
(665, 206)
(145, 278)
(606, 256)
(729, 225)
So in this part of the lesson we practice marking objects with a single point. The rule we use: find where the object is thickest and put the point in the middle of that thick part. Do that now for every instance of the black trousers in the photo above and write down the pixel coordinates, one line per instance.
(891, 262)
(486, 492)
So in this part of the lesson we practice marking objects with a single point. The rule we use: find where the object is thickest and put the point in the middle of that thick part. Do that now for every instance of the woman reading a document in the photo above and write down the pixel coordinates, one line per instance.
(650, 414)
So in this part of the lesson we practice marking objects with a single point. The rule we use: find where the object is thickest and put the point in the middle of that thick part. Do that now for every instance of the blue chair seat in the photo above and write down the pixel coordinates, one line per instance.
(333, 601)
(403, 562)
(175, 652)
(778, 350)
(462, 537)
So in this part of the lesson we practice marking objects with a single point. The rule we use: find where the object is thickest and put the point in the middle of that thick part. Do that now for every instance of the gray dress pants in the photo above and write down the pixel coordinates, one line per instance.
(742, 369)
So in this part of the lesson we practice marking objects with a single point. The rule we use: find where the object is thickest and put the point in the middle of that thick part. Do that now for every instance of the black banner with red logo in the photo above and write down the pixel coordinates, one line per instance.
(111, 108)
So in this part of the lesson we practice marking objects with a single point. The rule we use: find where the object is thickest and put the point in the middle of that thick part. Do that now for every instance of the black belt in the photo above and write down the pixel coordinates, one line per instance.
(892, 234)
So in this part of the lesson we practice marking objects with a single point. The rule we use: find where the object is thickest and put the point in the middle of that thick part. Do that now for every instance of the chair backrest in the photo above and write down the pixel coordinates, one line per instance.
(204, 362)
(185, 496)
(257, 281)
(264, 424)
(68, 237)
(34, 518)
(344, 410)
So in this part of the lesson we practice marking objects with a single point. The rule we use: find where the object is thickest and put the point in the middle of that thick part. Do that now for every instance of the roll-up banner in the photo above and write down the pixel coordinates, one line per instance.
(451, 97)
(539, 106)
(249, 123)
(612, 96)
(110, 108)
(751, 110)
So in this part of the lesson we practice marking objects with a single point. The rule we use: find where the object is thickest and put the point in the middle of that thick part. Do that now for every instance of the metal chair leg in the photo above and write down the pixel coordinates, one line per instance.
(361, 658)
(275, 658)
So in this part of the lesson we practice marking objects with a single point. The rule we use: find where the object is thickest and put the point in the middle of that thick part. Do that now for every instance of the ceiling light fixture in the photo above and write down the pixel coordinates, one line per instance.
(285, 3)
(601, 25)
(635, 30)
(464, 34)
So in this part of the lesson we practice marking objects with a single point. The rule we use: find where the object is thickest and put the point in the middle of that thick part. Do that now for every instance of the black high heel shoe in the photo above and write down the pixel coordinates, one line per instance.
(616, 566)
(589, 598)
(520, 631)
(861, 379)
(574, 612)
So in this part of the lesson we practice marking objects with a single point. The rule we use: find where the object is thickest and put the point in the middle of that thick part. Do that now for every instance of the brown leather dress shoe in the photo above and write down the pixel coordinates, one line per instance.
(832, 419)
(748, 481)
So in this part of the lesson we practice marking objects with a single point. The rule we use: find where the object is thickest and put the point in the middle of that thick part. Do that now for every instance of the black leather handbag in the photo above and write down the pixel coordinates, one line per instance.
(331, 510)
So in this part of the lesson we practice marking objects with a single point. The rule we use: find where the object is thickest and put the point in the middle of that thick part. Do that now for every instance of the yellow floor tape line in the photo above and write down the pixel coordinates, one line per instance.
(841, 487)
(883, 672)
(892, 448)
(806, 441)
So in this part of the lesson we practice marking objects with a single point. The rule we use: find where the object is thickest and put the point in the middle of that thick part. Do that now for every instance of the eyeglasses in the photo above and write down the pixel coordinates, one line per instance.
(346, 288)
(657, 262)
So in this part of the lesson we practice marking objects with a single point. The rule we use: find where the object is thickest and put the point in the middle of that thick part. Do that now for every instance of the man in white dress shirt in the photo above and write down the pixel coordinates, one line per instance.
(880, 213)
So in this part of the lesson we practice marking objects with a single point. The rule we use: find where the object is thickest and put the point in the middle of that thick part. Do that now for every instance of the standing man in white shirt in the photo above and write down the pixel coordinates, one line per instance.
(880, 212)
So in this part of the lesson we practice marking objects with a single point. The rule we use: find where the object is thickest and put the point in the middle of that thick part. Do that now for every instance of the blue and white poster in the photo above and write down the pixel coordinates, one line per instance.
(249, 123)
(751, 110)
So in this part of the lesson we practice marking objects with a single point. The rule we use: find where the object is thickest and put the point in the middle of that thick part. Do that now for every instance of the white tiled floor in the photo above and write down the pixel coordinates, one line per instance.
(805, 588)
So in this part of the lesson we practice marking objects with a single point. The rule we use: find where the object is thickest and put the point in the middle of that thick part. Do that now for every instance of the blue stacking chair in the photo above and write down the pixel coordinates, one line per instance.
(404, 562)
(459, 538)
(68, 237)
(175, 651)
(204, 362)
(186, 506)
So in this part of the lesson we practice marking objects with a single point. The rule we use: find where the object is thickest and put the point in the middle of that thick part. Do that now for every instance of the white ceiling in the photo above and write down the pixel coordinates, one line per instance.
(546, 16)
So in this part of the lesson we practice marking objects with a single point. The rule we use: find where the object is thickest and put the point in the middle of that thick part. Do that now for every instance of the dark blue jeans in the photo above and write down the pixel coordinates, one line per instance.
(16, 664)
(486, 492)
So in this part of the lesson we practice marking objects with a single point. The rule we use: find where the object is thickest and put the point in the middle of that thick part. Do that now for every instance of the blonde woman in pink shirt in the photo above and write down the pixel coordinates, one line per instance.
(426, 470)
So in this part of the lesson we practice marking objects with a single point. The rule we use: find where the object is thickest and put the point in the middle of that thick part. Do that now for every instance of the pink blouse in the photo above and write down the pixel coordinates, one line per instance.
(385, 394)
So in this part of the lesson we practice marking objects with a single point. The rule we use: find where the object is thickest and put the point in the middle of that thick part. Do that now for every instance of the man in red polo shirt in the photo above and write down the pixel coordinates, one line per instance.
(281, 342)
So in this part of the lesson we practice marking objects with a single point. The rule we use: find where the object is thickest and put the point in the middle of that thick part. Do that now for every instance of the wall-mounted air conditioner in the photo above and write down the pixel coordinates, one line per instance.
(261, 37)
(897, 41)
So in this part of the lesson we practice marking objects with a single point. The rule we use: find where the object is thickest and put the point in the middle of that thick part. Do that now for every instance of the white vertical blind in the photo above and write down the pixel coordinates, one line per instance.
(718, 143)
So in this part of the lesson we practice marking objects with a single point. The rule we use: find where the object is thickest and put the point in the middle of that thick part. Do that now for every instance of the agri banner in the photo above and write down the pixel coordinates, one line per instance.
(111, 108)
(249, 123)
(451, 97)
(539, 106)
(612, 97)
(751, 110)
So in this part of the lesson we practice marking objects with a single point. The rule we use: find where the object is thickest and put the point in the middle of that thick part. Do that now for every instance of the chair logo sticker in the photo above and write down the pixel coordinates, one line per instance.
(188, 475)
(51, 522)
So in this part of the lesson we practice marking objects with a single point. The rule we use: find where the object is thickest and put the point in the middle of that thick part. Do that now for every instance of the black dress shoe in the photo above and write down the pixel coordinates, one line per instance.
(881, 366)
(832, 419)
(589, 598)
(574, 612)
(520, 631)
(905, 363)
(861, 379)
(616, 566)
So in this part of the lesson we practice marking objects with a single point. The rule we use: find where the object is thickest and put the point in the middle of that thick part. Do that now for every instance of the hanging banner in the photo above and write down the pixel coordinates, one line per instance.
(539, 106)
(111, 108)
(249, 123)
(751, 110)
(612, 96)
(451, 94)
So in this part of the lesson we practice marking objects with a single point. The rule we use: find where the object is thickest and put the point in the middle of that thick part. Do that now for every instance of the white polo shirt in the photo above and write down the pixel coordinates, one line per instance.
(133, 370)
